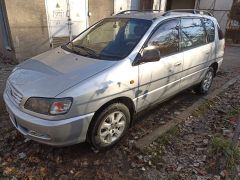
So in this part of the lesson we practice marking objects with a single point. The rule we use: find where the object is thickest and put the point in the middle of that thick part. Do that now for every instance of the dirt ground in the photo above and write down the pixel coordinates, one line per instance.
(21, 158)
(188, 151)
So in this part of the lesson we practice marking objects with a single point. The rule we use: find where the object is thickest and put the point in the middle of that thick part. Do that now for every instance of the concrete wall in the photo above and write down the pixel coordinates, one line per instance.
(219, 8)
(28, 25)
(99, 9)
(7, 53)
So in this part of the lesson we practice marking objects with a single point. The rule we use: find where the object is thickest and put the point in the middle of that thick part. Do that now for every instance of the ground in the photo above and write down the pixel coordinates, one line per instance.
(179, 157)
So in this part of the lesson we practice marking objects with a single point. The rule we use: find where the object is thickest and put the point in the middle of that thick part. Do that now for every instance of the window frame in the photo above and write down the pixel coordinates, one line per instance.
(220, 33)
(206, 29)
(135, 62)
(178, 37)
(192, 47)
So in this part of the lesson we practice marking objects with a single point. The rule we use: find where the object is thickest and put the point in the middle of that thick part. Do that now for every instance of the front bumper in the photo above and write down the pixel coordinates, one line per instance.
(57, 133)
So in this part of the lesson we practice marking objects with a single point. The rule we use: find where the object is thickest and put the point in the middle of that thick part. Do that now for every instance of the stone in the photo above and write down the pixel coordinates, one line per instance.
(196, 164)
(205, 141)
(63, 177)
(85, 164)
(21, 155)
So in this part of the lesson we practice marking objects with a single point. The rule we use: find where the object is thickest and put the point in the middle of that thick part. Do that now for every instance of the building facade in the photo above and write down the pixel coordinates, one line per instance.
(29, 27)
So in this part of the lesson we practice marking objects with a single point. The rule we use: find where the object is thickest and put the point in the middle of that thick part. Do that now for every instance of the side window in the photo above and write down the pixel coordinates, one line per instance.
(192, 33)
(209, 25)
(166, 38)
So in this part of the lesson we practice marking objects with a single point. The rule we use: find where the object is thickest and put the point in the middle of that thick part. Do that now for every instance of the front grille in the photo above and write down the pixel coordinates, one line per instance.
(13, 94)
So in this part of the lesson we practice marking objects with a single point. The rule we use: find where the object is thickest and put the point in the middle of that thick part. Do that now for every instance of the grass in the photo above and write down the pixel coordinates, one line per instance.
(204, 107)
(224, 147)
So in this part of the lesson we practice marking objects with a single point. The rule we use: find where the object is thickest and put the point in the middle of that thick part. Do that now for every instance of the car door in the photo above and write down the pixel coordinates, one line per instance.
(197, 51)
(159, 80)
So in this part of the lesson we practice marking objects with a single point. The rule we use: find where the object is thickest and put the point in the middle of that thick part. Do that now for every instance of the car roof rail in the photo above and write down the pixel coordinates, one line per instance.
(128, 11)
(192, 11)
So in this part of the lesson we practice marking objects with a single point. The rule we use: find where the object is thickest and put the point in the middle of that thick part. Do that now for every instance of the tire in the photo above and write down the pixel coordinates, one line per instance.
(204, 86)
(109, 126)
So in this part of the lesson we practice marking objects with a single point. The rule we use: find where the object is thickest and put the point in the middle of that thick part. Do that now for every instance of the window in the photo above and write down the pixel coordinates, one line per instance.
(209, 25)
(166, 38)
(193, 33)
(110, 39)
(220, 34)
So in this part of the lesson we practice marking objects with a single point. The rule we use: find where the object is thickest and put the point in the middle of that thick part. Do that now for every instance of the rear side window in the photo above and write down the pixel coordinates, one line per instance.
(220, 34)
(209, 25)
(166, 38)
(193, 33)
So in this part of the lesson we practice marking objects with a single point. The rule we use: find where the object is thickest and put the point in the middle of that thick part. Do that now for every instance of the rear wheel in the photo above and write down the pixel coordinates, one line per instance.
(204, 86)
(109, 127)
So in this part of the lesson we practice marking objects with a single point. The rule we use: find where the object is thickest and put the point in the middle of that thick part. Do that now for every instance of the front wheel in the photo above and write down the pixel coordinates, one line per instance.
(204, 86)
(109, 127)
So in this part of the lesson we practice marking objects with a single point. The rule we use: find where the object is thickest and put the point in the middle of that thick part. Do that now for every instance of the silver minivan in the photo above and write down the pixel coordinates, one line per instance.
(91, 88)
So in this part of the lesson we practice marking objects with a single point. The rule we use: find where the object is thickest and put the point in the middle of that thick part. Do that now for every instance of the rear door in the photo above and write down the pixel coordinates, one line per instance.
(197, 51)
(161, 79)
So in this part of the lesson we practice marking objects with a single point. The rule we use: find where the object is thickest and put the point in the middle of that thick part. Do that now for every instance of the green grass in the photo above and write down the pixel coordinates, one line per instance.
(204, 107)
(224, 147)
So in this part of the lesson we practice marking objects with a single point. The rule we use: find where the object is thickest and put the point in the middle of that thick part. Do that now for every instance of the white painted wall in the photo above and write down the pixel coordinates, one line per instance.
(159, 5)
(122, 5)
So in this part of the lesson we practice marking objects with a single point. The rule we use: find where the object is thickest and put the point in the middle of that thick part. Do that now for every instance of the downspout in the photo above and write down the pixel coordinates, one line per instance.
(69, 23)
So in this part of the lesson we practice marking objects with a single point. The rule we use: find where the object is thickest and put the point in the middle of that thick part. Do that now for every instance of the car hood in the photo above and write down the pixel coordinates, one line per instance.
(54, 71)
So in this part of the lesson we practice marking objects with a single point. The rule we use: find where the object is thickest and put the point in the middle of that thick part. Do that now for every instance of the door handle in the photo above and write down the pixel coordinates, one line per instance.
(177, 64)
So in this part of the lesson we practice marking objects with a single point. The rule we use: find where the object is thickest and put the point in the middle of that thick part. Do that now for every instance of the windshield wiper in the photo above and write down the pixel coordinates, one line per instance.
(87, 50)
(110, 56)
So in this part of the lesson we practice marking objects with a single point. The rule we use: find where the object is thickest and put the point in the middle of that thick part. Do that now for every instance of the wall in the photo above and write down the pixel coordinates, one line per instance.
(28, 25)
(7, 53)
(99, 9)
(219, 8)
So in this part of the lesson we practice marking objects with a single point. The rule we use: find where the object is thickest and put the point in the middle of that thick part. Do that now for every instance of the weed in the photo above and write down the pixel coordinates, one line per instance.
(224, 147)
(205, 106)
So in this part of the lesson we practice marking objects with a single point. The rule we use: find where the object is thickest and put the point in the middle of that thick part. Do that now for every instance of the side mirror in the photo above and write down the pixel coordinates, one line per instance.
(150, 54)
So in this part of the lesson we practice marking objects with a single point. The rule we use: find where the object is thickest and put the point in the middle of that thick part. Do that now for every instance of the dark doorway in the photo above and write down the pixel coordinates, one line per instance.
(183, 4)
(146, 5)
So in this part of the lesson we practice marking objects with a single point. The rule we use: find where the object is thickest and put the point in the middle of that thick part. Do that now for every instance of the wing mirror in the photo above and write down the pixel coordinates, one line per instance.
(150, 54)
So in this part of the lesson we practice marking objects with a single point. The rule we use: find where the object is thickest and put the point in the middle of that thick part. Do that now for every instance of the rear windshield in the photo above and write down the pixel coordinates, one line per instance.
(110, 39)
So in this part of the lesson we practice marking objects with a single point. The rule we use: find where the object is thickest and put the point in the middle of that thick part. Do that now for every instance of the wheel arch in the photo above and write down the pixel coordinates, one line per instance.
(215, 67)
(124, 100)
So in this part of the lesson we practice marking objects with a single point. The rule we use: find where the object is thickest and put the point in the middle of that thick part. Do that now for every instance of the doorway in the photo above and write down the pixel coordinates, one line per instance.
(66, 19)
(183, 4)
(146, 4)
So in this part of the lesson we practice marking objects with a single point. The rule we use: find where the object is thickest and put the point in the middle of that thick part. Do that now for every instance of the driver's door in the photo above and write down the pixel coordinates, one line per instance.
(160, 80)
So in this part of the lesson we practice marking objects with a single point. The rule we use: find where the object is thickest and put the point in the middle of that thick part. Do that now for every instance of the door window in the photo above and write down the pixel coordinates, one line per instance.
(192, 33)
(209, 25)
(166, 38)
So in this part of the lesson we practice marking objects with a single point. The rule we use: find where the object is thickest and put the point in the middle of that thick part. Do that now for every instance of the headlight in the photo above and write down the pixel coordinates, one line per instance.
(48, 106)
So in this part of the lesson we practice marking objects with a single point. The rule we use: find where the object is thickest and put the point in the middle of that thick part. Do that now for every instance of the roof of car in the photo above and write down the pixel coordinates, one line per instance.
(141, 15)
(155, 15)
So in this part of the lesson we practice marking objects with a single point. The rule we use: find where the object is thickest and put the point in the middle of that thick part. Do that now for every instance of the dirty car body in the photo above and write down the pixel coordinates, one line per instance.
(64, 96)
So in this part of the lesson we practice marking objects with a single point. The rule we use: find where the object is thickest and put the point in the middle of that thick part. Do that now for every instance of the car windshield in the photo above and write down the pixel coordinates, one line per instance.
(110, 39)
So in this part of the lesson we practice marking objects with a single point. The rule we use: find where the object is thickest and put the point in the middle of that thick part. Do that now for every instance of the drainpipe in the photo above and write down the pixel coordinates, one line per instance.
(69, 23)
(160, 3)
